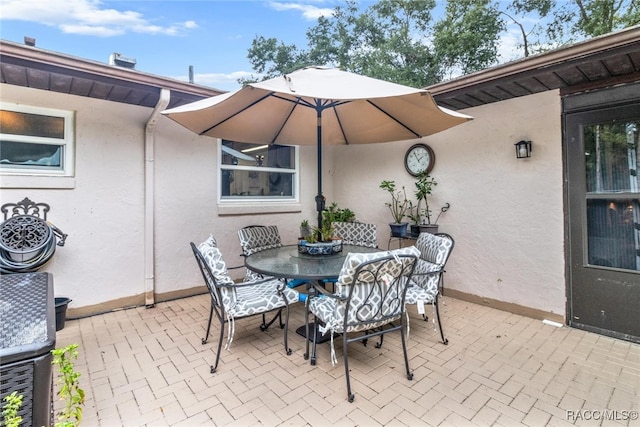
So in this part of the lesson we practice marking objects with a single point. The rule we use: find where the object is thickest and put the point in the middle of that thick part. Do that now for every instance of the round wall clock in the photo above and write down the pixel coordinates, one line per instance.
(419, 158)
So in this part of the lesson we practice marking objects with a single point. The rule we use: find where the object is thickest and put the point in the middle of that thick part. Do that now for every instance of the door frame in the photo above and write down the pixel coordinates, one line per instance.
(593, 101)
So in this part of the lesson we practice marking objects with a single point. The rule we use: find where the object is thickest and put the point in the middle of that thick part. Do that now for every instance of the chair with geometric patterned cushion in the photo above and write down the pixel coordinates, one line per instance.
(426, 282)
(231, 301)
(356, 233)
(257, 238)
(368, 302)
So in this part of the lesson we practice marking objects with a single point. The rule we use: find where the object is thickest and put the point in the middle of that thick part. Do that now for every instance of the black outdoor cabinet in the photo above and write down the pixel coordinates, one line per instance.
(27, 336)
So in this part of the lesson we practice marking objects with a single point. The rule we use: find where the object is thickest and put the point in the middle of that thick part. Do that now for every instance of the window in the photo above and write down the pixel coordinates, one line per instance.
(254, 172)
(36, 141)
(613, 186)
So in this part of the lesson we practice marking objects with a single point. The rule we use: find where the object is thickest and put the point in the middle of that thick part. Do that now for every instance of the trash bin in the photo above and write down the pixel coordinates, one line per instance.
(27, 336)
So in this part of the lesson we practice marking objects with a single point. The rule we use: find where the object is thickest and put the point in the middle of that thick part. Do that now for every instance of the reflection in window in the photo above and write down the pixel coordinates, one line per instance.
(30, 155)
(613, 238)
(35, 141)
(613, 185)
(611, 154)
(257, 171)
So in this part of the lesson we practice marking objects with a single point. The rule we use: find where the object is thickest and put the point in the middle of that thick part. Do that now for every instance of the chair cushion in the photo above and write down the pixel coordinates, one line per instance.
(240, 301)
(356, 233)
(416, 293)
(353, 260)
(434, 249)
(424, 286)
(256, 239)
(260, 298)
(213, 257)
(332, 311)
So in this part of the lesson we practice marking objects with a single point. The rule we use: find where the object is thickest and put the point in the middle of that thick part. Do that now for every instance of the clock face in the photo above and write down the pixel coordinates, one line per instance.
(419, 159)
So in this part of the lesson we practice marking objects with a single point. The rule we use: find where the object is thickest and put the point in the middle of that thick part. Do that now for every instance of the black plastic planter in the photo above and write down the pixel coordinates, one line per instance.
(61, 311)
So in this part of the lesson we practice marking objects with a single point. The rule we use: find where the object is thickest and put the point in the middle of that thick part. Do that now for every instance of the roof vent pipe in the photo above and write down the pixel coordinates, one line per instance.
(190, 73)
(121, 61)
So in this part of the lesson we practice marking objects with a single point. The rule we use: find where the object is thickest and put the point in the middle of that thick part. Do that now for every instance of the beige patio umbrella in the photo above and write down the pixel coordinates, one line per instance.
(318, 105)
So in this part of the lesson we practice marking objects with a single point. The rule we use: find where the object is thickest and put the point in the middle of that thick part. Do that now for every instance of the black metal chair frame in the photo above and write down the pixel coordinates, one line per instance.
(395, 321)
(216, 306)
(440, 272)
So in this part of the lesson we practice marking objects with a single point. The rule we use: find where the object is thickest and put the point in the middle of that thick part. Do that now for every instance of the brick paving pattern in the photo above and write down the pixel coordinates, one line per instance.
(147, 367)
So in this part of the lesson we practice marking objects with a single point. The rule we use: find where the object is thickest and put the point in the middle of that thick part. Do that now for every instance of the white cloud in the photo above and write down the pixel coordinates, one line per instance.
(87, 17)
(509, 46)
(309, 12)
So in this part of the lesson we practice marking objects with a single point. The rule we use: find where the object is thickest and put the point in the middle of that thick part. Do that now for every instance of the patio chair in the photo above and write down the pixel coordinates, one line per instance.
(356, 233)
(256, 238)
(429, 274)
(239, 300)
(369, 301)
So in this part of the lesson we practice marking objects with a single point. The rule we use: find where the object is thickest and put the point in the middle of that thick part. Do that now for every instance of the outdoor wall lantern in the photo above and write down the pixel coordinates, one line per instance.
(523, 149)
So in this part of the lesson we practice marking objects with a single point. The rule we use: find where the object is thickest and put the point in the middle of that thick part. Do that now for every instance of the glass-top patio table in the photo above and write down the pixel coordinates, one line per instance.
(286, 262)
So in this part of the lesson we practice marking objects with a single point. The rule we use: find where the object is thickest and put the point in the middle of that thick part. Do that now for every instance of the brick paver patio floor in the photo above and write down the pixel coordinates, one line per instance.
(147, 367)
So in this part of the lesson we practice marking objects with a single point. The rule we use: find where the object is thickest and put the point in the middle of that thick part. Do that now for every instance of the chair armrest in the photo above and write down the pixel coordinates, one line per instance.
(321, 291)
(256, 282)
(428, 273)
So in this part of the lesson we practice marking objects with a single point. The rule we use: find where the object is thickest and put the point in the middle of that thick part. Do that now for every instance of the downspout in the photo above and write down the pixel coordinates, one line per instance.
(149, 198)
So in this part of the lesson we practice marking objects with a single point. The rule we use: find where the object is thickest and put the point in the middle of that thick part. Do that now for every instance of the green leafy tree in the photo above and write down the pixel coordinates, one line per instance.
(389, 40)
(399, 41)
(572, 20)
(466, 39)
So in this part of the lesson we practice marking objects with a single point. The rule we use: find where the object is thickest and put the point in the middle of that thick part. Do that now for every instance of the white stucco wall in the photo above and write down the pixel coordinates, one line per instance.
(103, 211)
(187, 210)
(506, 214)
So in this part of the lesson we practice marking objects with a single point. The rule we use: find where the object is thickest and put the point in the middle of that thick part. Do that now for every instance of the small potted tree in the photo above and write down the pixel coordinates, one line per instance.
(424, 187)
(415, 217)
(305, 229)
(399, 206)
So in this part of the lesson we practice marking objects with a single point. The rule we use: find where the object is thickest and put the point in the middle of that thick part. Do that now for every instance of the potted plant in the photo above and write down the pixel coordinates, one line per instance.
(415, 217)
(398, 207)
(325, 233)
(305, 229)
(424, 186)
(335, 214)
(321, 241)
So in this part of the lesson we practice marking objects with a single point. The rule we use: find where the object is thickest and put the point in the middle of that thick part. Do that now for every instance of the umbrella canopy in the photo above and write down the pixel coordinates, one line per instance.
(318, 105)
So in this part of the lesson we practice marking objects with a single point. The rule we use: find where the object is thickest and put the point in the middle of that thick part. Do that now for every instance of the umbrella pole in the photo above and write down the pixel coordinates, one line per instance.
(319, 198)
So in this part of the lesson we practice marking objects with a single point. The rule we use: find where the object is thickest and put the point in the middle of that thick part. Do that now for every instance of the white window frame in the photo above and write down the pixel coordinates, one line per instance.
(248, 205)
(67, 143)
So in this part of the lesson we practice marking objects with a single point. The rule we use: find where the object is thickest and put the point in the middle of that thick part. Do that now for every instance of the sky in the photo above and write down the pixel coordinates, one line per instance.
(166, 37)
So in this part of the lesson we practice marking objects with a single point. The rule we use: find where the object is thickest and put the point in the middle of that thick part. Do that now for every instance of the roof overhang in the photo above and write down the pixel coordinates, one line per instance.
(603, 61)
(33, 67)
